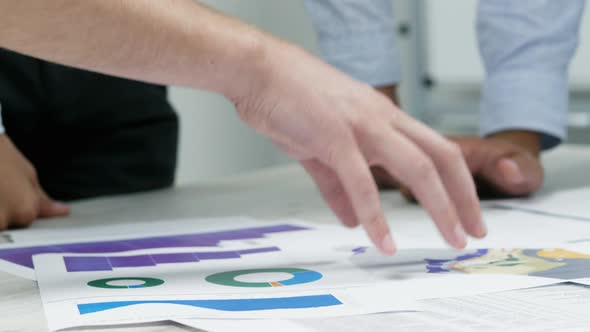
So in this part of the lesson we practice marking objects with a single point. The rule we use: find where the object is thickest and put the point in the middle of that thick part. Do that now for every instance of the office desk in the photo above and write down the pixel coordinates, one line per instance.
(266, 194)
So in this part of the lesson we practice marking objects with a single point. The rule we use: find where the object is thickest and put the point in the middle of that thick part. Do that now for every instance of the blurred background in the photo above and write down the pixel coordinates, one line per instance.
(441, 85)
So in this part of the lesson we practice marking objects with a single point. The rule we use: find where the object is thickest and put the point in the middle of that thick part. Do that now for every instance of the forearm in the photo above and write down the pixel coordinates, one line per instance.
(168, 42)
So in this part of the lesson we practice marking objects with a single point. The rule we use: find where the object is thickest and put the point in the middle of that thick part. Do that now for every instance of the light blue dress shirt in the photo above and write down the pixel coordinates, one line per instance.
(526, 47)
(358, 37)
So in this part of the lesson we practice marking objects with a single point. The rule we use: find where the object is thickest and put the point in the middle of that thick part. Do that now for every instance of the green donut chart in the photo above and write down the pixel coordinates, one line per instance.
(300, 276)
(145, 283)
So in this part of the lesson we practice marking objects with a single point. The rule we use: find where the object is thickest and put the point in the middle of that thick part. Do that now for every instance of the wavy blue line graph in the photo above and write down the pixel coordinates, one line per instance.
(298, 302)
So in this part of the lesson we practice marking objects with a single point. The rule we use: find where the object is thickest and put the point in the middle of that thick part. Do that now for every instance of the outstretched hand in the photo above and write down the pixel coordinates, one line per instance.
(335, 126)
(338, 128)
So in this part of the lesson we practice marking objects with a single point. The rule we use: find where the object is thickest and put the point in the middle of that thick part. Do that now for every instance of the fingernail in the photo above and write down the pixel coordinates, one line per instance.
(514, 174)
(459, 237)
(387, 245)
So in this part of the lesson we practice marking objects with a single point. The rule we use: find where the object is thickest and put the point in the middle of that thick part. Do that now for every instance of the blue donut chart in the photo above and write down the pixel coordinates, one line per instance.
(299, 276)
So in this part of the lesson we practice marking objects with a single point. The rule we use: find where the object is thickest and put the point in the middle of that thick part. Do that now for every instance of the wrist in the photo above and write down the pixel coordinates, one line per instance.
(528, 140)
(266, 66)
(244, 68)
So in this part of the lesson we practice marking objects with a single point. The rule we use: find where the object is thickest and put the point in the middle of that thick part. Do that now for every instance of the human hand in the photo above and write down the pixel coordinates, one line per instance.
(504, 164)
(337, 128)
(22, 200)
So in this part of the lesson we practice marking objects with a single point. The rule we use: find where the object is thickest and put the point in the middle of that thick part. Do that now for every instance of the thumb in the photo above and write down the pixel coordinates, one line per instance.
(49, 208)
(519, 174)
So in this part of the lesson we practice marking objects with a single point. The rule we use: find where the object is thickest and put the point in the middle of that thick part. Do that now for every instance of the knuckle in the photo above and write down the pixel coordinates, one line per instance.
(357, 120)
(374, 220)
(335, 191)
(423, 169)
(452, 152)
(368, 129)
(25, 215)
(367, 190)
(395, 116)
(330, 155)
(336, 150)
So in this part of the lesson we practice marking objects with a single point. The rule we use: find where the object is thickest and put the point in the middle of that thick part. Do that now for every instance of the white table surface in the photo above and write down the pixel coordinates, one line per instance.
(266, 194)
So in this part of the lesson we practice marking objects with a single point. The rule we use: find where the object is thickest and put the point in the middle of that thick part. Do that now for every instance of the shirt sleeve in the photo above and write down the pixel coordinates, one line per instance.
(358, 37)
(526, 47)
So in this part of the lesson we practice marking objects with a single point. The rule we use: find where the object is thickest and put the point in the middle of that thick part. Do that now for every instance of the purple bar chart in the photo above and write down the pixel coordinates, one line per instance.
(109, 263)
(23, 256)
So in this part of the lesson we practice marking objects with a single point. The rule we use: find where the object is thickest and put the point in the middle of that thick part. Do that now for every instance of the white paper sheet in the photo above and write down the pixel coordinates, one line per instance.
(506, 228)
(254, 325)
(583, 281)
(160, 227)
(565, 265)
(17, 258)
(274, 271)
(566, 203)
(81, 292)
(554, 308)
(180, 290)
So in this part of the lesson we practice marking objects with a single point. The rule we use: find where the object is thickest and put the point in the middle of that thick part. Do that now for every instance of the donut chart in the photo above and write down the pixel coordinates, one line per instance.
(144, 283)
(300, 276)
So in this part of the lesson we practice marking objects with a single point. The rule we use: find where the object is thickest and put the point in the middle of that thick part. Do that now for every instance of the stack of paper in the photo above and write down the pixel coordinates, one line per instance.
(561, 308)
(565, 204)
(274, 273)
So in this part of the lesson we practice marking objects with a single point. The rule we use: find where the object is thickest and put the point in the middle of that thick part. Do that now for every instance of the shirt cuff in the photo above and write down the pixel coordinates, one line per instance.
(526, 100)
(370, 55)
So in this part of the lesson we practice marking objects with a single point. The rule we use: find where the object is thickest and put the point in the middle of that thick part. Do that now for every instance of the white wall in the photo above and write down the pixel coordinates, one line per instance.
(213, 141)
(453, 49)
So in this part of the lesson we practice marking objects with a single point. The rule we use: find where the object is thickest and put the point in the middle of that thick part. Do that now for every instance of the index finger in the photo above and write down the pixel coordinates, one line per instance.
(354, 174)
